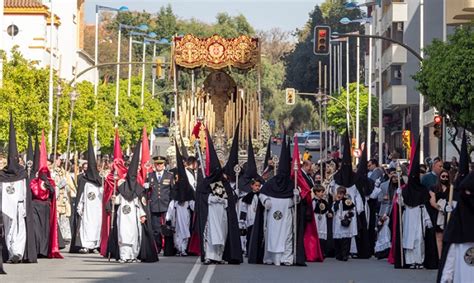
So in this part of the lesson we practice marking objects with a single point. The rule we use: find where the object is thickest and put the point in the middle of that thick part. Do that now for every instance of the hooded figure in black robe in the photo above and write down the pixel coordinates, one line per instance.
(459, 229)
(12, 178)
(250, 172)
(458, 240)
(30, 251)
(414, 195)
(279, 186)
(365, 239)
(90, 176)
(233, 159)
(233, 249)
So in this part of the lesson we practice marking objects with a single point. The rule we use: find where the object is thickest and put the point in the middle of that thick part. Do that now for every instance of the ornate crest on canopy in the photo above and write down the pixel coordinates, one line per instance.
(216, 52)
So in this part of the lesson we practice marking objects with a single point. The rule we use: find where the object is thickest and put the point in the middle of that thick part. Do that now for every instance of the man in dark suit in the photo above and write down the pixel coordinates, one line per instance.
(159, 185)
(306, 170)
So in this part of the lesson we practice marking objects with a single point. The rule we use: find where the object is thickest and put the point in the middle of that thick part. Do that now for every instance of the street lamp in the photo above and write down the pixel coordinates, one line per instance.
(73, 96)
(58, 95)
(130, 47)
(99, 8)
(142, 27)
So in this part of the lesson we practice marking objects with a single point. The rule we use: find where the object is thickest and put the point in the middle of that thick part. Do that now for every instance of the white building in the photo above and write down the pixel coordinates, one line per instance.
(394, 66)
(26, 24)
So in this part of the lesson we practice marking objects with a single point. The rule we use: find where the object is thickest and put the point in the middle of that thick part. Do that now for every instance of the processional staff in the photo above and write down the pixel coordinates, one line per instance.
(400, 201)
(295, 228)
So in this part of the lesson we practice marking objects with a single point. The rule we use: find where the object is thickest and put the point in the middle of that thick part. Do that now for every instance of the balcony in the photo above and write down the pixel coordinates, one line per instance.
(394, 12)
(395, 97)
(394, 55)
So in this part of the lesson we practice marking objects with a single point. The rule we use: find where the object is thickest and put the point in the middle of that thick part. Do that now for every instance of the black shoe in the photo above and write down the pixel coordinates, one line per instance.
(15, 259)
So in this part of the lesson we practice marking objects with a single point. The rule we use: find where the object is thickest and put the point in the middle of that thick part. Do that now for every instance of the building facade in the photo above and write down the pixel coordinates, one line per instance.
(26, 25)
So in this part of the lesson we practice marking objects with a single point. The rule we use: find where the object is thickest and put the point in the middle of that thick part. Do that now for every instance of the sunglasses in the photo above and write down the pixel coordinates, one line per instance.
(444, 177)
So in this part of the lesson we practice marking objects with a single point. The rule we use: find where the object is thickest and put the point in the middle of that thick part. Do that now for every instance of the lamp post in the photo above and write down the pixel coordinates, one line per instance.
(51, 82)
(73, 96)
(151, 35)
(99, 8)
(58, 95)
(117, 83)
(130, 47)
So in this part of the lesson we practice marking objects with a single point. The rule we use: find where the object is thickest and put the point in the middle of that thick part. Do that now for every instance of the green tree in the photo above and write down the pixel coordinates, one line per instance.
(301, 63)
(447, 77)
(337, 112)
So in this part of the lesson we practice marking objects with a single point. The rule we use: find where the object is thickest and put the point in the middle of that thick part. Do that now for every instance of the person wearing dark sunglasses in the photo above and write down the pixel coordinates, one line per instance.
(440, 206)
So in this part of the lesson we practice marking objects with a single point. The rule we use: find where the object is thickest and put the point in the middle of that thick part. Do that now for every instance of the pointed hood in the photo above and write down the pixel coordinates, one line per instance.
(250, 170)
(13, 171)
(363, 184)
(119, 164)
(145, 165)
(415, 193)
(233, 155)
(92, 174)
(464, 161)
(345, 175)
(280, 185)
(184, 150)
(29, 158)
(131, 188)
(36, 158)
(268, 153)
(213, 165)
(182, 190)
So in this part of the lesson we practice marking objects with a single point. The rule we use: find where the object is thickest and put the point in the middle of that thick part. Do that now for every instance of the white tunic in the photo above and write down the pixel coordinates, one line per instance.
(250, 210)
(216, 228)
(415, 220)
(129, 227)
(90, 210)
(459, 264)
(340, 231)
(321, 223)
(14, 213)
(279, 230)
(180, 217)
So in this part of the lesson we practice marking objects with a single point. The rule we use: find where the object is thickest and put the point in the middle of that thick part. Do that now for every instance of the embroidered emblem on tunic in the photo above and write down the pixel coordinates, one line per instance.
(348, 202)
(322, 206)
(144, 201)
(218, 189)
(277, 215)
(469, 256)
(91, 196)
(10, 190)
(126, 209)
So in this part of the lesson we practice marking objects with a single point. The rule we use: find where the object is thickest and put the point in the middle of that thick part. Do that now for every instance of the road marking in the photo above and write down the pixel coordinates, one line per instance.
(194, 271)
(209, 272)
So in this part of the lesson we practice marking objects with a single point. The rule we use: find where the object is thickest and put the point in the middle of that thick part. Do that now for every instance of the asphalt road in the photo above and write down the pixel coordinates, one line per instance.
(93, 268)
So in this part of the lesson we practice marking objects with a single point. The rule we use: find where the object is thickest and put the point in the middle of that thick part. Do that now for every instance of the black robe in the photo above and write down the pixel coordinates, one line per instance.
(233, 247)
(76, 243)
(148, 248)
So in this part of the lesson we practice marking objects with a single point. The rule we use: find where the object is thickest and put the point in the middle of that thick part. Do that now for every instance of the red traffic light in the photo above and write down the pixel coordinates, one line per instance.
(321, 40)
(438, 119)
(322, 33)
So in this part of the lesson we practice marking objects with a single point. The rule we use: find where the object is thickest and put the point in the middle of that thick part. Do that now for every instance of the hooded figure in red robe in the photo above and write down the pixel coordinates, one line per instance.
(44, 204)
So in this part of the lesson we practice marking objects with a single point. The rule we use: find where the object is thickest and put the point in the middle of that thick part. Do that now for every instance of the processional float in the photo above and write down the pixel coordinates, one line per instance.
(218, 101)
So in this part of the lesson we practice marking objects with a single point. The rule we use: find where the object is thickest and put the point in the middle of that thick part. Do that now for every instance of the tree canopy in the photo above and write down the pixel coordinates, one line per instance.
(447, 77)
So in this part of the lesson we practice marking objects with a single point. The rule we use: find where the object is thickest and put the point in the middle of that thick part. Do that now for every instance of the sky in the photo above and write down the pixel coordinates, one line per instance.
(261, 14)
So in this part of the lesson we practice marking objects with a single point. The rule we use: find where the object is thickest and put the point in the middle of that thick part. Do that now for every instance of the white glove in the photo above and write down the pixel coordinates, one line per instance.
(448, 208)
(62, 183)
(242, 224)
(267, 204)
(399, 191)
(377, 183)
(146, 185)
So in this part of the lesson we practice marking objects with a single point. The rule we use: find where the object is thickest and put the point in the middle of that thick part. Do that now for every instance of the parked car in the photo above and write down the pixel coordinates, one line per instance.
(301, 139)
(161, 132)
(313, 141)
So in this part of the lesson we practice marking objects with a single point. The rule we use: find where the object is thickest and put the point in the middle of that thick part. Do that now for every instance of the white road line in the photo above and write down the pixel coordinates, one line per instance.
(194, 271)
(209, 272)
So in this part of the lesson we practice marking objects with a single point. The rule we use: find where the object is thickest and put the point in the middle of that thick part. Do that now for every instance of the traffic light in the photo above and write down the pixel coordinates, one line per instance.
(321, 40)
(159, 67)
(406, 139)
(354, 143)
(290, 96)
(438, 120)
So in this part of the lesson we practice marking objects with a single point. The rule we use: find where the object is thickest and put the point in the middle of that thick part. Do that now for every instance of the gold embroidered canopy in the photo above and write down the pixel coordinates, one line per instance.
(216, 52)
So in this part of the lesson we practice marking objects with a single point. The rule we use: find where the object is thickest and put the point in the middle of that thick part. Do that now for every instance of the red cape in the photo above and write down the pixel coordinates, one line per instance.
(42, 194)
(312, 245)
